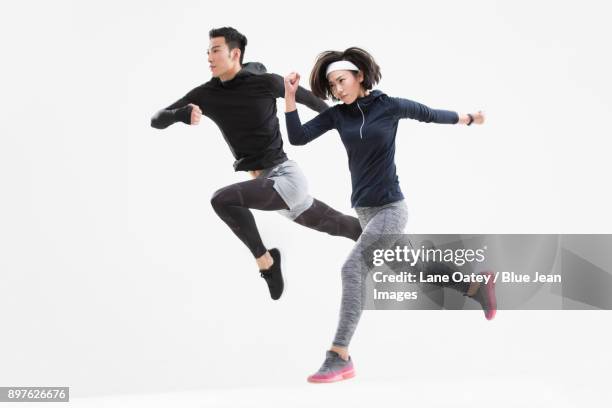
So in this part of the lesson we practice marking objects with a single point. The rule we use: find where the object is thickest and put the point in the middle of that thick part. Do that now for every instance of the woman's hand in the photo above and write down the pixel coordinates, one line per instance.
(479, 118)
(292, 82)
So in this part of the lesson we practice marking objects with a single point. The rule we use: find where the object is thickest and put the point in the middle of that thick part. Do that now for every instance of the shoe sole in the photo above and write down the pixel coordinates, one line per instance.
(283, 272)
(336, 378)
(492, 300)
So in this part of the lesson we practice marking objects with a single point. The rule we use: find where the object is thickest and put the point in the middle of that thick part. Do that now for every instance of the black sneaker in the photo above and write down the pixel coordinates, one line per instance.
(273, 275)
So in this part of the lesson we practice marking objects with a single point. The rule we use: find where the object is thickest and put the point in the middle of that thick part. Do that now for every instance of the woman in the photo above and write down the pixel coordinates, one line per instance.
(367, 122)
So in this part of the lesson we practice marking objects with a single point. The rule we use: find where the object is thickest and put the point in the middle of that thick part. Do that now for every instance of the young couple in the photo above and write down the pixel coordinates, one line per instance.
(241, 100)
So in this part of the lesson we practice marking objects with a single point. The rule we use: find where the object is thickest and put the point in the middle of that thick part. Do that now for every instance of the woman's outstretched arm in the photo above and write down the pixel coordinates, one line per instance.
(414, 110)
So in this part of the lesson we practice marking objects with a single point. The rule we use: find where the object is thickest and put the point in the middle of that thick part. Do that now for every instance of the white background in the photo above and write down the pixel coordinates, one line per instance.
(117, 277)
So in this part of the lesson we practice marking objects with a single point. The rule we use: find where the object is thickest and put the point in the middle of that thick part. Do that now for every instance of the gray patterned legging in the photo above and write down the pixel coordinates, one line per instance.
(379, 224)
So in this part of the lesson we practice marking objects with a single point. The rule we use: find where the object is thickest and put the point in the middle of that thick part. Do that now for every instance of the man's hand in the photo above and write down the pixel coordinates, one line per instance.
(196, 114)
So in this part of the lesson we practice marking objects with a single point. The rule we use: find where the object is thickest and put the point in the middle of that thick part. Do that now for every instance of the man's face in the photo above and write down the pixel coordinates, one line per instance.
(220, 58)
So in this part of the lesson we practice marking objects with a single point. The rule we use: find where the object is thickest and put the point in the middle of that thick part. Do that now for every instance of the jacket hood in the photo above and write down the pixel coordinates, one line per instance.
(367, 100)
(248, 69)
(371, 97)
(256, 68)
(362, 104)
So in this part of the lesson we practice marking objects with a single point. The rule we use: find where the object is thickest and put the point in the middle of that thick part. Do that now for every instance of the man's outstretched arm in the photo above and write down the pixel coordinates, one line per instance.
(184, 110)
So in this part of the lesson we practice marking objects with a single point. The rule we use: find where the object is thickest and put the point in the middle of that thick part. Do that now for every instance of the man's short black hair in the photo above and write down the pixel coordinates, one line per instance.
(233, 38)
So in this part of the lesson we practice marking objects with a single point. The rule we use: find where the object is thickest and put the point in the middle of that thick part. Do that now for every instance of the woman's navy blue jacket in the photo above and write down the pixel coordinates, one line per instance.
(367, 128)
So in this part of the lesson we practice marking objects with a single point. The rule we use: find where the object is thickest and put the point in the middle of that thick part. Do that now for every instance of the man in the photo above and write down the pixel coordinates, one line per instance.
(241, 100)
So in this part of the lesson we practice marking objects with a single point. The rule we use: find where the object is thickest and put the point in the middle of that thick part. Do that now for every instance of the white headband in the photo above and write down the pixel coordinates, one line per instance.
(341, 66)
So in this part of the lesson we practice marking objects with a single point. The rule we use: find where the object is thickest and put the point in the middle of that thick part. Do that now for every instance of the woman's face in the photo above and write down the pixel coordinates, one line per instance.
(346, 85)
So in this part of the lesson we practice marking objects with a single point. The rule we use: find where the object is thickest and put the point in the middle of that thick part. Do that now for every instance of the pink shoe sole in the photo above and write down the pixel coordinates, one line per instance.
(338, 377)
(490, 314)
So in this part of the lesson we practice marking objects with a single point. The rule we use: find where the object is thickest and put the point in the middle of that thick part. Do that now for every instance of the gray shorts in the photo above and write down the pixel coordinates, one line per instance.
(291, 185)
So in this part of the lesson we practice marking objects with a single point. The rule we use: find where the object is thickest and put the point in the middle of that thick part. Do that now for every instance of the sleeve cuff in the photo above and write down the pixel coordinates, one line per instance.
(184, 114)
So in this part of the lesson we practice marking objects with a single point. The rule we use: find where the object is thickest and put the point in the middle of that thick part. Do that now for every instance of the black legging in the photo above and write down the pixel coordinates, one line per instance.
(232, 204)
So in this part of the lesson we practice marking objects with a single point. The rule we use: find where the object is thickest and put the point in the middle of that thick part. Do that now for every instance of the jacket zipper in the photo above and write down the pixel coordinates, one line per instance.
(362, 123)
